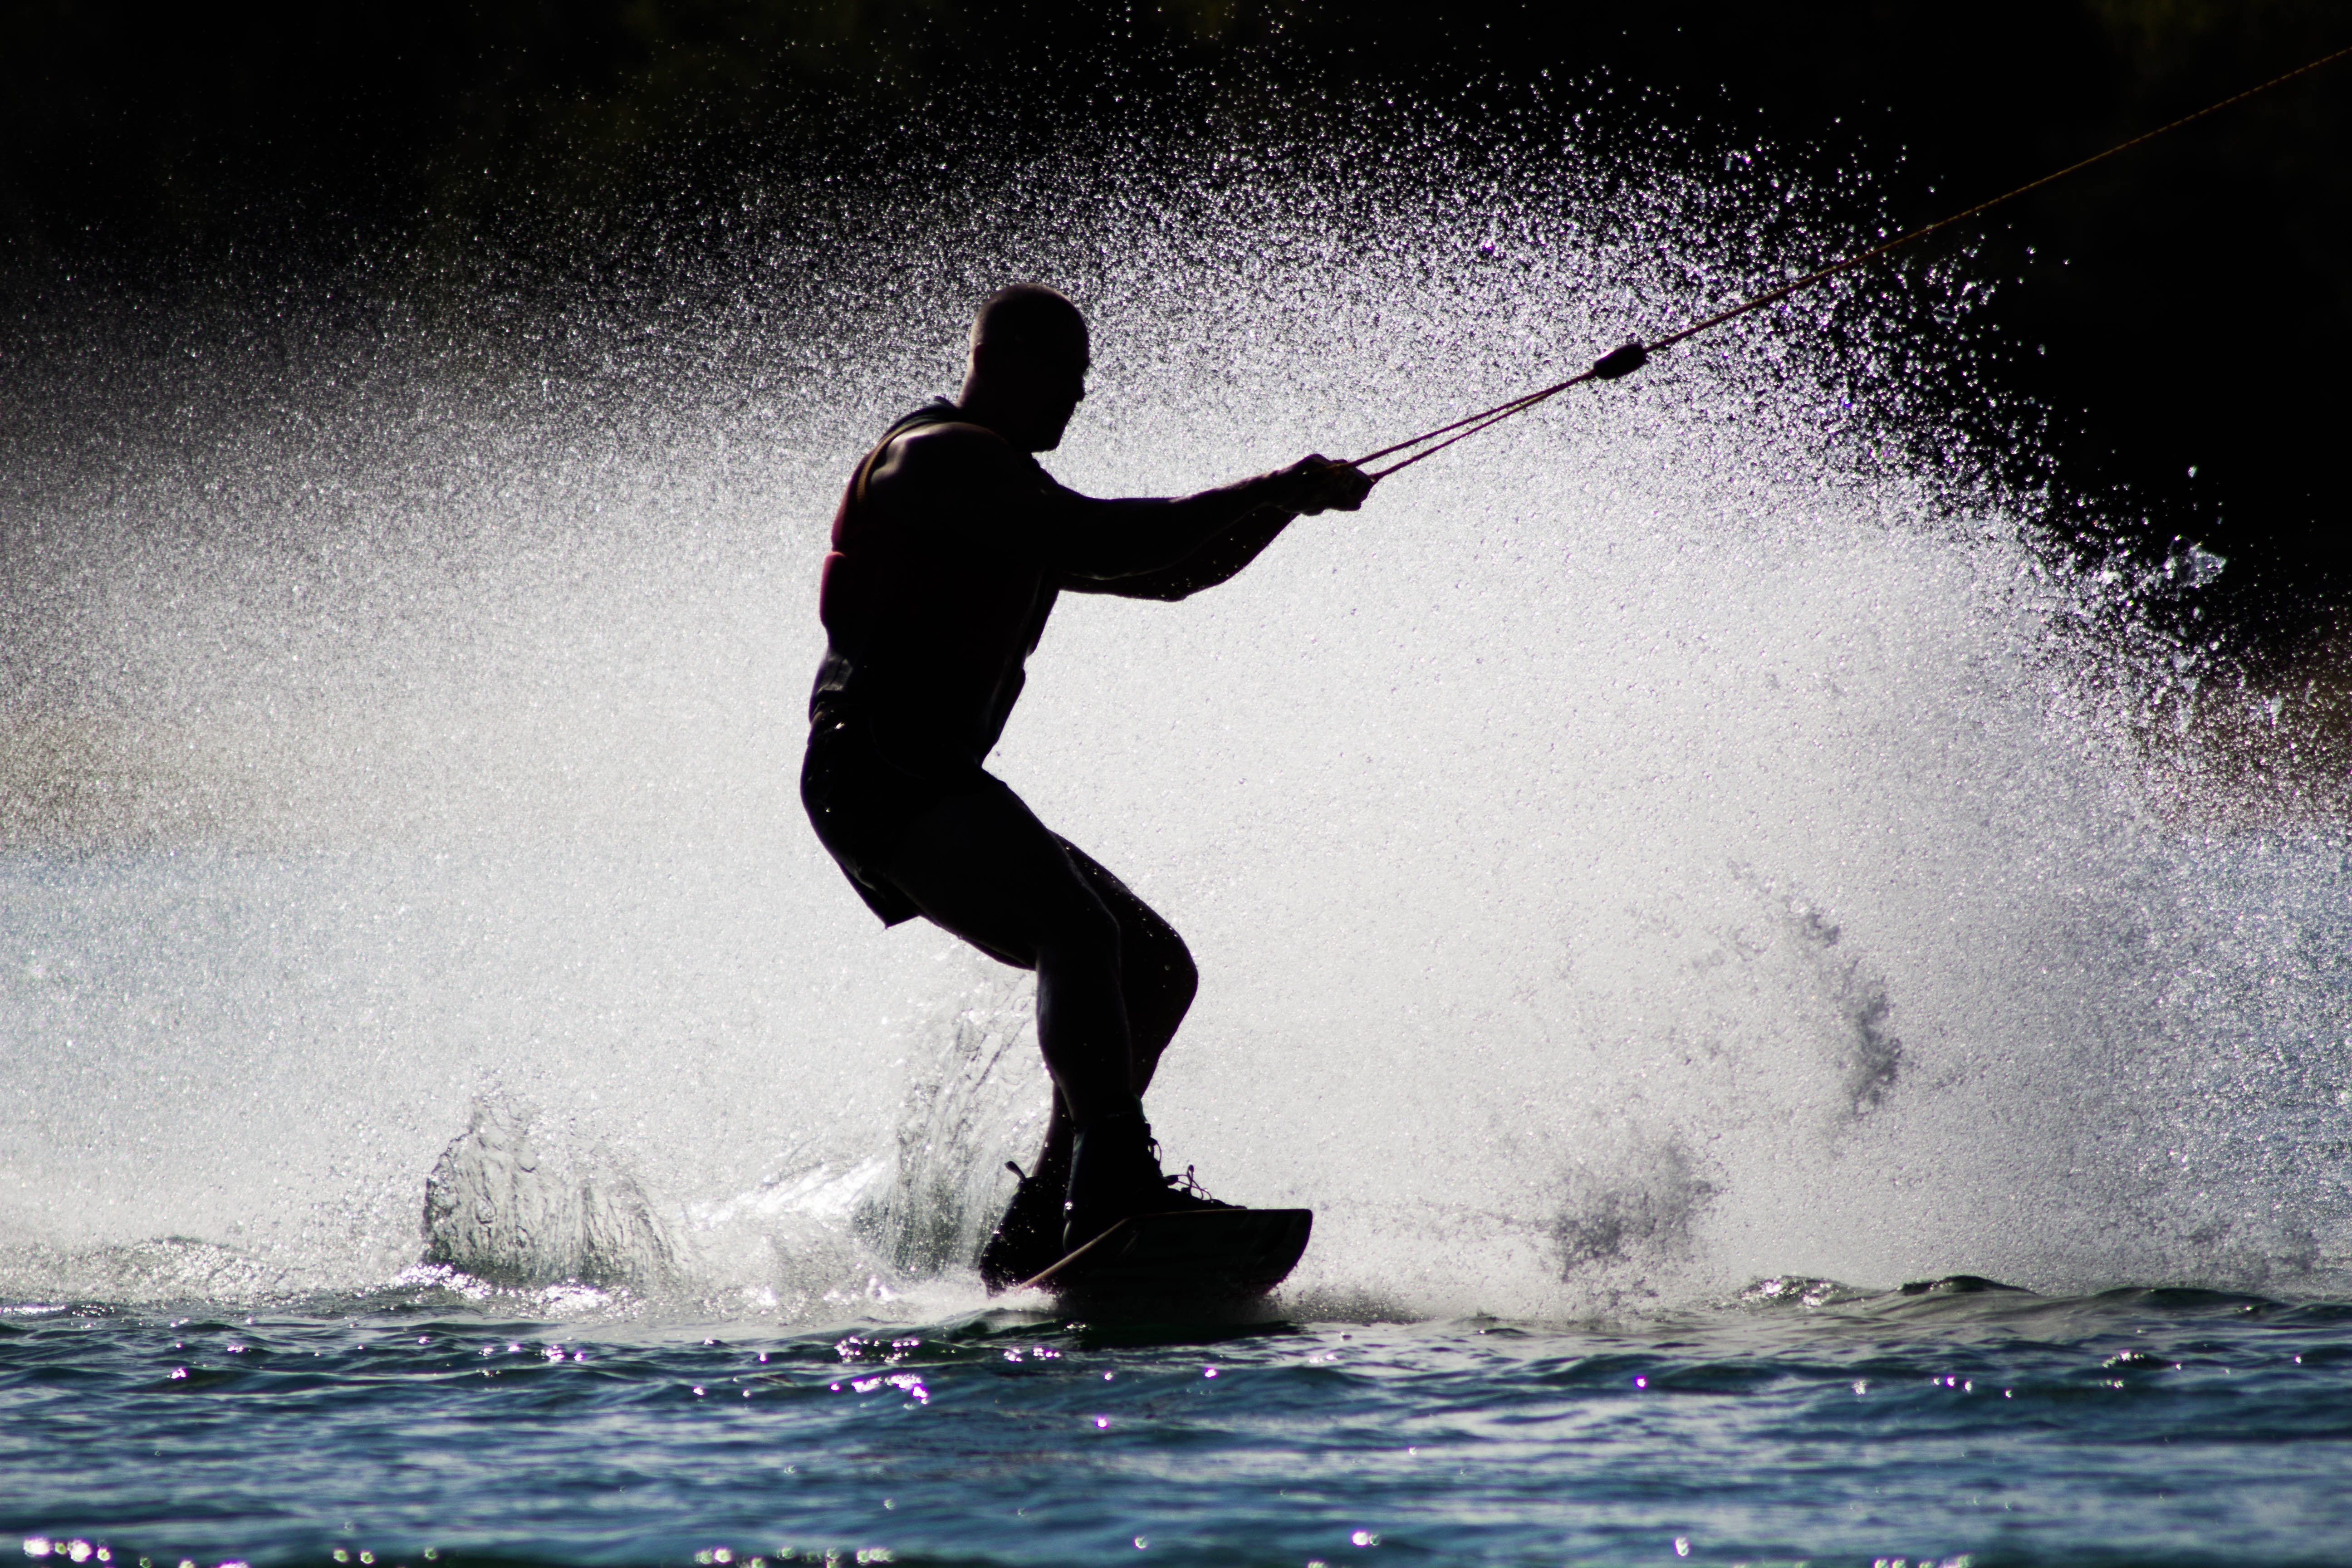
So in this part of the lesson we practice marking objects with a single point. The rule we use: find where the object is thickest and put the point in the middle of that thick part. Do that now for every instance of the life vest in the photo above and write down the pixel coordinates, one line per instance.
(841, 586)
(928, 624)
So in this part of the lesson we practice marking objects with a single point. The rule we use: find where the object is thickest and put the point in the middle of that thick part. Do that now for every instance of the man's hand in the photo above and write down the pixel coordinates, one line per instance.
(1316, 484)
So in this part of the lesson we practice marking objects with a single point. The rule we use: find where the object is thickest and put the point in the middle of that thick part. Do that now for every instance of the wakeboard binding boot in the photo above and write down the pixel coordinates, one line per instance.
(1028, 1240)
(1115, 1174)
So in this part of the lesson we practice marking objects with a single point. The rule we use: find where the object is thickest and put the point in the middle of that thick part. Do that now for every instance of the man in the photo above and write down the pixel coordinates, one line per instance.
(948, 550)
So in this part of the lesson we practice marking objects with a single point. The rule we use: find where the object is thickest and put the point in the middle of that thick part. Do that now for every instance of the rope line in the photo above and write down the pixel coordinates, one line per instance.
(1632, 356)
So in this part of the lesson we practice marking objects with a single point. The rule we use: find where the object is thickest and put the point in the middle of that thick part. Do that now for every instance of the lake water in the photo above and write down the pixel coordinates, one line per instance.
(2134, 1426)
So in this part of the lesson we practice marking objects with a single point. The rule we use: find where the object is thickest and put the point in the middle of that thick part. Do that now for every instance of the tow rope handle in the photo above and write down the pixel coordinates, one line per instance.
(1613, 365)
(1619, 362)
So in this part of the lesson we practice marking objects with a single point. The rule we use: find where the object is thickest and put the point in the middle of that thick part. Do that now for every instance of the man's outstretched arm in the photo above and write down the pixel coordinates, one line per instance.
(965, 471)
(1168, 549)
(1217, 561)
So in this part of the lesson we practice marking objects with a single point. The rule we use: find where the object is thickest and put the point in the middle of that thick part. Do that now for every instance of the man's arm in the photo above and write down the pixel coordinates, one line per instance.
(1217, 561)
(966, 471)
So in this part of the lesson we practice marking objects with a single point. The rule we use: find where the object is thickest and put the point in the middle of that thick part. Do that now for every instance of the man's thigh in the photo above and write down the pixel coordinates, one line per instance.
(982, 866)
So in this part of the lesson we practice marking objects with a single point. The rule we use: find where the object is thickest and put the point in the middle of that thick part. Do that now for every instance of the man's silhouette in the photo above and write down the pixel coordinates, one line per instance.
(948, 550)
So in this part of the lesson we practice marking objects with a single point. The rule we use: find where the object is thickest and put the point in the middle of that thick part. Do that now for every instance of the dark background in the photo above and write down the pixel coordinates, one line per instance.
(2186, 307)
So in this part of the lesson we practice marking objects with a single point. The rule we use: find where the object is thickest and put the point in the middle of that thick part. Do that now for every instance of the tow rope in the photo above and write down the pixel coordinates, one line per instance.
(1625, 360)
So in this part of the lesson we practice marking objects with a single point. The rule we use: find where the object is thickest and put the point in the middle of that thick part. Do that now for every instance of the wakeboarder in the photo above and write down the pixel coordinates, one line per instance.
(949, 548)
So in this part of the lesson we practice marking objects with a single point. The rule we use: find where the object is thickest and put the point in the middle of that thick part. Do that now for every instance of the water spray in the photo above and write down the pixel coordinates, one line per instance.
(1625, 361)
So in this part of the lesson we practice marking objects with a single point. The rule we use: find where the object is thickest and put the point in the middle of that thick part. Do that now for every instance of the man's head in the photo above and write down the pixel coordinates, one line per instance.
(1028, 368)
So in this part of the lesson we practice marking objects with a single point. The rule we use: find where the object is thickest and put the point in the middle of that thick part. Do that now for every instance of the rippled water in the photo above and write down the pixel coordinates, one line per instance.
(1801, 1424)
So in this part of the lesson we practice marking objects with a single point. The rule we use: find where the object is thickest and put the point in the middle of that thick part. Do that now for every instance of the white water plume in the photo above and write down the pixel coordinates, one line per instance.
(1671, 840)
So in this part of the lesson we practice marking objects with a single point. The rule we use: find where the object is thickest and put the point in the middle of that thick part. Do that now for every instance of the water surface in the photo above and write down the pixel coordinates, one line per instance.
(1958, 1424)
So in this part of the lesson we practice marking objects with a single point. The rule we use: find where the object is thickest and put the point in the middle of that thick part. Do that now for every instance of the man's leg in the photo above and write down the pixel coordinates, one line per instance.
(1114, 981)
(1157, 981)
(1119, 1173)
(985, 869)
(1156, 976)
(982, 866)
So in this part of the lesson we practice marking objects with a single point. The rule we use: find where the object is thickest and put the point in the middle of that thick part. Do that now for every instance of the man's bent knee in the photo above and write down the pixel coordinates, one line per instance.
(1080, 931)
(1173, 980)
(1159, 966)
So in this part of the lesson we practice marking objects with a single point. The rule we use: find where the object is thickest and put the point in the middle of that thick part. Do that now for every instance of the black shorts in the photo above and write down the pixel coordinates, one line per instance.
(861, 803)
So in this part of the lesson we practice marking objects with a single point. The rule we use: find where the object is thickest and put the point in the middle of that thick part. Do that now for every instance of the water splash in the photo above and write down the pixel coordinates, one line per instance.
(509, 1205)
(1698, 834)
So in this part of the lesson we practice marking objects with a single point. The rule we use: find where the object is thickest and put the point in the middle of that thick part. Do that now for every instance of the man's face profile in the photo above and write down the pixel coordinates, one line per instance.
(1061, 380)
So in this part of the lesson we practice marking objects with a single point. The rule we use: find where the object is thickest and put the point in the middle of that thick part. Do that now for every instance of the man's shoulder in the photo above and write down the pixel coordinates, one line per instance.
(949, 440)
(945, 449)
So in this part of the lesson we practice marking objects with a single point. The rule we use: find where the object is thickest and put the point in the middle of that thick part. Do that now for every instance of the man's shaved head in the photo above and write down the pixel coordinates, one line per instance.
(1030, 320)
(1028, 368)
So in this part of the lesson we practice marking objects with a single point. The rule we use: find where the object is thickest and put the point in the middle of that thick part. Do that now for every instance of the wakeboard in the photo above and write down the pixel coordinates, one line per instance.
(1196, 1256)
